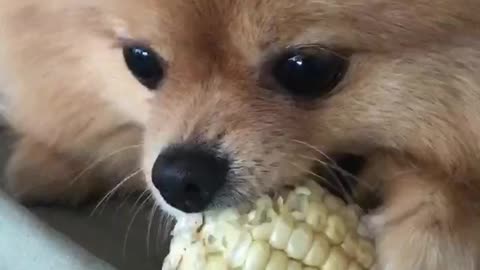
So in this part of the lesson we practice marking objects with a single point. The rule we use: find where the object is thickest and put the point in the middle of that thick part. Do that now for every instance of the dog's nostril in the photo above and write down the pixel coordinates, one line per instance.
(194, 193)
(189, 176)
(192, 189)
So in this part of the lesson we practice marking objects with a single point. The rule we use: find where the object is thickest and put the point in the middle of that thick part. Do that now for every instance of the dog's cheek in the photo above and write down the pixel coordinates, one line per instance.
(265, 163)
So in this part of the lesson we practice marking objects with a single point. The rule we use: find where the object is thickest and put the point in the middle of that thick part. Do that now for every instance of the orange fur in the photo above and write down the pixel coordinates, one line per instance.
(409, 103)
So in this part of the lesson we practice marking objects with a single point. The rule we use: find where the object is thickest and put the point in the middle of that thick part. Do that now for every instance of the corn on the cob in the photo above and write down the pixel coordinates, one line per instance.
(307, 229)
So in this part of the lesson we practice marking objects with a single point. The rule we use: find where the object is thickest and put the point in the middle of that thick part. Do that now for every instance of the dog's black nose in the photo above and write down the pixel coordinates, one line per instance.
(189, 176)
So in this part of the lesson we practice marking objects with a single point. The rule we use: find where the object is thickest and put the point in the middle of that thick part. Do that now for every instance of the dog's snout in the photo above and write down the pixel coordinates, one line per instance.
(189, 176)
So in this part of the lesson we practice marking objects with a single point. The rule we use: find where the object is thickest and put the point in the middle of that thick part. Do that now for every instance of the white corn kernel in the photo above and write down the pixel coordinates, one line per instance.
(354, 266)
(196, 257)
(336, 229)
(230, 214)
(257, 257)
(294, 265)
(303, 190)
(212, 244)
(337, 260)
(239, 254)
(300, 242)
(317, 215)
(334, 204)
(318, 254)
(317, 192)
(298, 216)
(350, 244)
(310, 230)
(216, 262)
(278, 261)
(351, 215)
(365, 253)
(262, 232)
(231, 235)
(281, 232)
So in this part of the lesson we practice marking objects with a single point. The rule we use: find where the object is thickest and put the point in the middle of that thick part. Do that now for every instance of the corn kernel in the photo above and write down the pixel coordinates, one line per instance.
(310, 230)
(333, 204)
(350, 244)
(318, 254)
(262, 232)
(365, 253)
(317, 215)
(337, 260)
(354, 266)
(351, 215)
(257, 257)
(216, 262)
(336, 229)
(294, 265)
(300, 242)
(278, 261)
(239, 254)
(282, 230)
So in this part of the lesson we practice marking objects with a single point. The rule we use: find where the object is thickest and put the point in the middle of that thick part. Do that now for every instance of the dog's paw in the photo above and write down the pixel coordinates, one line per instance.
(422, 241)
(36, 175)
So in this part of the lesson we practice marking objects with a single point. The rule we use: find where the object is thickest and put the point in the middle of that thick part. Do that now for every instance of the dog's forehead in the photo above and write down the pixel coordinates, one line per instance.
(353, 23)
(192, 33)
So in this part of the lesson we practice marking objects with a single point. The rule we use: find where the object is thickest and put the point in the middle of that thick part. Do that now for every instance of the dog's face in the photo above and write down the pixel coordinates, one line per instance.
(241, 97)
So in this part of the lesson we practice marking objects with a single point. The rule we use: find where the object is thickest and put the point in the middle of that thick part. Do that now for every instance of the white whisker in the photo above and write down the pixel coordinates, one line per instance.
(325, 181)
(114, 189)
(101, 159)
(149, 230)
(140, 207)
(138, 199)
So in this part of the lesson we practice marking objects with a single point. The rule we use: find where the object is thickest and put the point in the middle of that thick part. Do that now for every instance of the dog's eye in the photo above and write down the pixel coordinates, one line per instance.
(309, 73)
(145, 65)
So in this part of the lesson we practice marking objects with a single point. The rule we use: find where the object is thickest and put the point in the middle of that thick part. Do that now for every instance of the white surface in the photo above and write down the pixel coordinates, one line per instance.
(113, 234)
(27, 243)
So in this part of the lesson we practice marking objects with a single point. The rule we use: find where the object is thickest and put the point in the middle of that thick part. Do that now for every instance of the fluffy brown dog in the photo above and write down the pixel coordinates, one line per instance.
(226, 99)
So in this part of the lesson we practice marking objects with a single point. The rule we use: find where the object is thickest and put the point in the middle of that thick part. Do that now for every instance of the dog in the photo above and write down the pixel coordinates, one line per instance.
(209, 103)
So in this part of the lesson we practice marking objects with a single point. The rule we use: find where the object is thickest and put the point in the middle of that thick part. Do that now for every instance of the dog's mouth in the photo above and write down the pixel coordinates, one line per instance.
(340, 176)
(343, 173)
